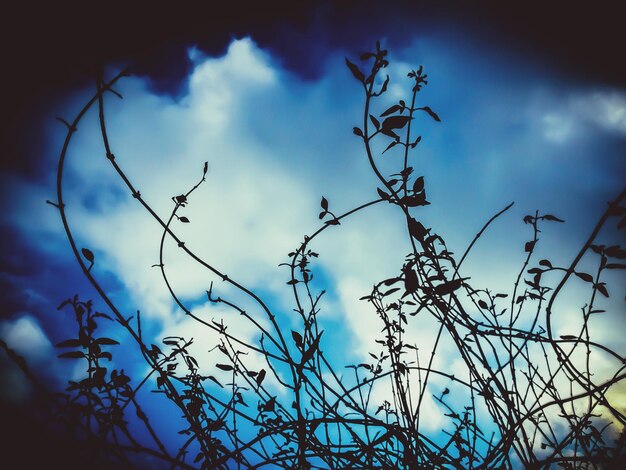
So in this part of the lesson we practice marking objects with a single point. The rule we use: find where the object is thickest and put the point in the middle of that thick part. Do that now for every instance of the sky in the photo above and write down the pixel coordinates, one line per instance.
(534, 114)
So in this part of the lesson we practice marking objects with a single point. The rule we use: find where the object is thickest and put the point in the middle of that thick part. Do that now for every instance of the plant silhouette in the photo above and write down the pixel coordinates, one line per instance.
(523, 397)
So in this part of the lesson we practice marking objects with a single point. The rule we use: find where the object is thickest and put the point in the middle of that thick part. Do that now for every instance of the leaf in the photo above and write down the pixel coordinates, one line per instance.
(615, 266)
(546, 263)
(323, 214)
(449, 287)
(205, 169)
(270, 405)
(355, 71)
(482, 304)
(418, 186)
(585, 277)
(72, 355)
(383, 194)
(615, 252)
(324, 203)
(181, 199)
(391, 145)
(210, 377)
(69, 343)
(225, 367)
(552, 218)
(260, 377)
(88, 254)
(199, 457)
(184, 220)
(106, 341)
(417, 230)
(528, 247)
(357, 131)
(602, 289)
(569, 337)
(375, 122)
(308, 354)
(391, 110)
(297, 337)
(395, 122)
(431, 113)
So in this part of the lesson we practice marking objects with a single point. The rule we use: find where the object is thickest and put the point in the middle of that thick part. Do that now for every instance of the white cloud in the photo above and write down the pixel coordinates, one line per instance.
(25, 336)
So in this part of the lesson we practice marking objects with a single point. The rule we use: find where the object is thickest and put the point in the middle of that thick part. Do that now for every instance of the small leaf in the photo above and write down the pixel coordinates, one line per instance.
(181, 199)
(391, 145)
(72, 355)
(482, 304)
(205, 169)
(108, 341)
(88, 254)
(585, 277)
(569, 337)
(602, 289)
(324, 203)
(184, 220)
(418, 186)
(546, 263)
(431, 113)
(260, 377)
(528, 247)
(357, 131)
(449, 287)
(355, 71)
(615, 266)
(297, 337)
(323, 214)
(391, 110)
(69, 343)
(395, 122)
(615, 252)
(375, 122)
(552, 218)
(382, 194)
(225, 367)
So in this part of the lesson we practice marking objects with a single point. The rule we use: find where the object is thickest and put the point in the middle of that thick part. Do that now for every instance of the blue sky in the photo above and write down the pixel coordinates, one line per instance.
(277, 137)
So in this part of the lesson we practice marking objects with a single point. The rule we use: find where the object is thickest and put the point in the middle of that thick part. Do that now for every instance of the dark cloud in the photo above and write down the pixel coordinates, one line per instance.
(53, 48)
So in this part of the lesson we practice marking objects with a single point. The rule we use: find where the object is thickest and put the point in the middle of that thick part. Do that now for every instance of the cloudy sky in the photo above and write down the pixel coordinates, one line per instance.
(533, 110)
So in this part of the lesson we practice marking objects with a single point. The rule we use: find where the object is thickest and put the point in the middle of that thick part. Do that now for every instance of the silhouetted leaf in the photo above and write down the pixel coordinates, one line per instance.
(417, 230)
(552, 218)
(72, 355)
(225, 367)
(546, 263)
(615, 252)
(324, 203)
(108, 341)
(87, 253)
(418, 186)
(383, 194)
(482, 304)
(357, 131)
(602, 289)
(260, 377)
(615, 266)
(181, 199)
(449, 287)
(585, 277)
(308, 354)
(528, 247)
(391, 110)
(395, 122)
(375, 122)
(391, 145)
(297, 337)
(199, 457)
(270, 405)
(184, 220)
(205, 169)
(431, 113)
(569, 337)
(69, 343)
(355, 71)
(213, 379)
